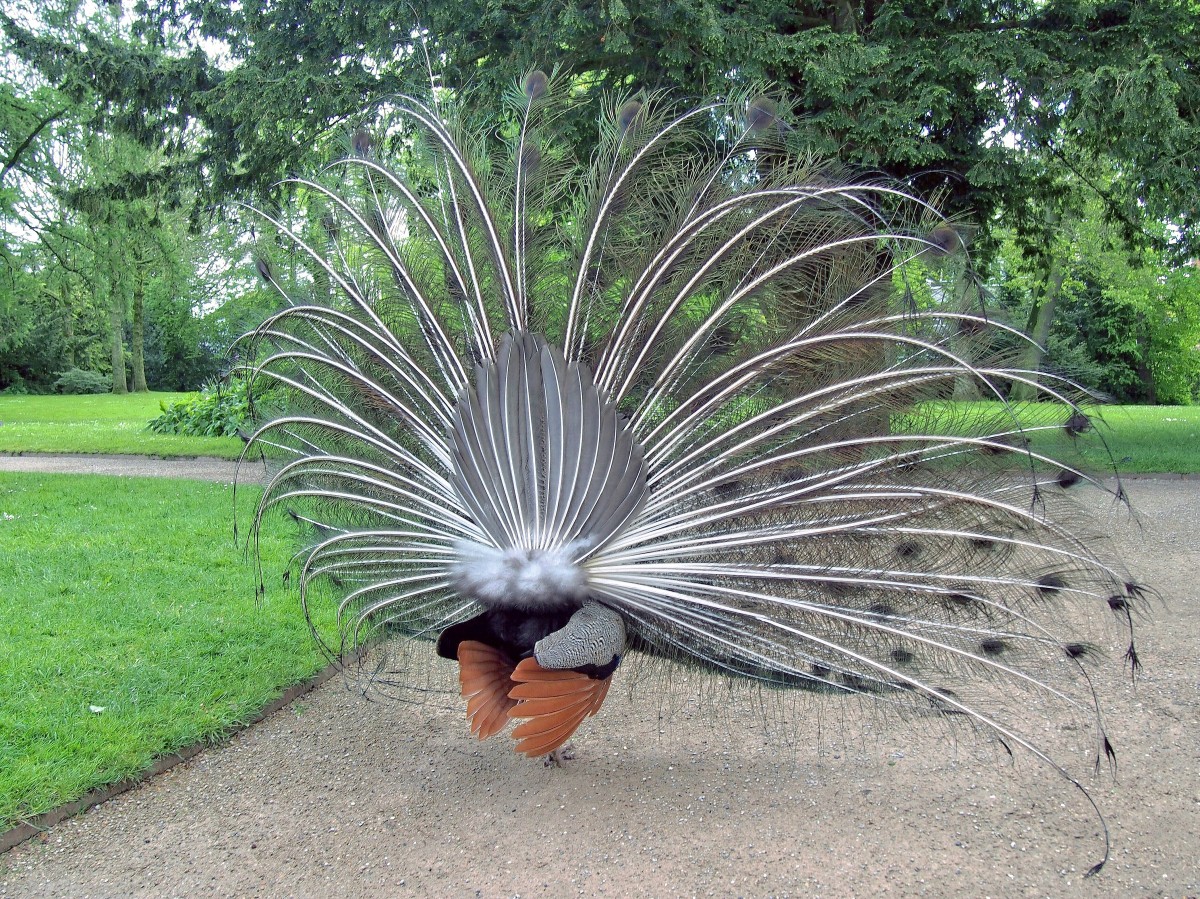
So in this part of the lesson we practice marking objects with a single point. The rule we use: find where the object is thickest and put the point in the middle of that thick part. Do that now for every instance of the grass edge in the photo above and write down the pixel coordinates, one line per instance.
(30, 828)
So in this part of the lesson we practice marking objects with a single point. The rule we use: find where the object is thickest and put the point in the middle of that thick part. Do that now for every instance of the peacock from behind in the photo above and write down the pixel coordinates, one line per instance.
(681, 401)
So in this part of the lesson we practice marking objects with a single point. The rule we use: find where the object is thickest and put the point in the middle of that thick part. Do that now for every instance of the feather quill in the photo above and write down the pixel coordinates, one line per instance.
(685, 389)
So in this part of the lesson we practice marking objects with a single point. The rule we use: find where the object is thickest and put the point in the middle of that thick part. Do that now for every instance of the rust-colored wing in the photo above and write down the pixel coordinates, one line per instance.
(485, 674)
(554, 703)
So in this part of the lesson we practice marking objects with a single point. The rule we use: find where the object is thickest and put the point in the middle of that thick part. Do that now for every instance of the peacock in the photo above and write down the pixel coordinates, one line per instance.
(699, 397)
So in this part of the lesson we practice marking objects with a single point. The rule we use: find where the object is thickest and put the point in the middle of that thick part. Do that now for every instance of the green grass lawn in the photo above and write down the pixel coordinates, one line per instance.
(1148, 439)
(101, 423)
(129, 629)
(1134, 439)
(1140, 439)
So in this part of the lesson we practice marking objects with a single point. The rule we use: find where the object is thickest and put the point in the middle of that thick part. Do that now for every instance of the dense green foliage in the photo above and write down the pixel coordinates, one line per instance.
(219, 410)
(1026, 119)
(99, 271)
(76, 380)
(920, 89)
(113, 657)
(1127, 323)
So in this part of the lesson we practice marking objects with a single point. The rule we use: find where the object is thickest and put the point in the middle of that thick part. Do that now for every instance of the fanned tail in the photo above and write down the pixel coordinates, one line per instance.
(687, 381)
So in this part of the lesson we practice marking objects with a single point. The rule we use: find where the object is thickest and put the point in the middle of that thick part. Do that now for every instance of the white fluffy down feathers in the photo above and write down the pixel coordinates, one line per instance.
(520, 578)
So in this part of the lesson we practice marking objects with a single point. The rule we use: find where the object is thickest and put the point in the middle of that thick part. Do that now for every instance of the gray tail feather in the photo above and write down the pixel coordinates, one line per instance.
(689, 362)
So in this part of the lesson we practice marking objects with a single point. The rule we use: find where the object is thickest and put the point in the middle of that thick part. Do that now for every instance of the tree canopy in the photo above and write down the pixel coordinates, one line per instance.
(1015, 114)
(985, 99)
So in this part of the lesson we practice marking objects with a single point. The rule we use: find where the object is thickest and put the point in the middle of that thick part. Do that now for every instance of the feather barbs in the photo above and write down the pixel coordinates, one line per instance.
(674, 383)
(550, 703)
(485, 674)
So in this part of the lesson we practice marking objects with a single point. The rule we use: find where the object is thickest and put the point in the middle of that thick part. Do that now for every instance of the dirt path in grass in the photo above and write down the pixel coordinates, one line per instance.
(204, 468)
(339, 795)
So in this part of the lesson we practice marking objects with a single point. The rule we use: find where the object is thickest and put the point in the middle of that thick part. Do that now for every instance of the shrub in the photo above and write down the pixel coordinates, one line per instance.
(77, 380)
(219, 410)
(18, 386)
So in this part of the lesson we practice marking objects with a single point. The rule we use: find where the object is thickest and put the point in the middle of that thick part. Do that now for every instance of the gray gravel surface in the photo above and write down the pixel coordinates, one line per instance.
(669, 795)
(203, 468)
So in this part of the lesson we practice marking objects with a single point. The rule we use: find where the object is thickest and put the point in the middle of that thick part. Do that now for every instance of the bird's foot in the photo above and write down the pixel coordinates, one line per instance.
(555, 758)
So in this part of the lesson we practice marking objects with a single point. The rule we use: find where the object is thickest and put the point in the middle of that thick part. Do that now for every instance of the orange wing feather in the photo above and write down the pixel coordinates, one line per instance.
(554, 703)
(485, 674)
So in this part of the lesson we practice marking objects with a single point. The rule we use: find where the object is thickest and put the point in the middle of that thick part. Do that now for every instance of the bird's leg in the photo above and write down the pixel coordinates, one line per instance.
(556, 757)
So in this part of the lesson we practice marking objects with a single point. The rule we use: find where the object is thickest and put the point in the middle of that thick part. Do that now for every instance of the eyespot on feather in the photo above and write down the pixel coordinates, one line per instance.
(535, 84)
(943, 241)
(628, 114)
(531, 156)
(1077, 424)
(361, 142)
(761, 114)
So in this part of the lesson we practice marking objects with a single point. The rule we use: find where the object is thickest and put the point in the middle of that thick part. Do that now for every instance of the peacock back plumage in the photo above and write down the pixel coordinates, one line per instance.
(678, 398)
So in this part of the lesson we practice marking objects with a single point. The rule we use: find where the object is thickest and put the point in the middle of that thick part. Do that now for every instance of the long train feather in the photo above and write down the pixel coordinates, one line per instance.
(677, 383)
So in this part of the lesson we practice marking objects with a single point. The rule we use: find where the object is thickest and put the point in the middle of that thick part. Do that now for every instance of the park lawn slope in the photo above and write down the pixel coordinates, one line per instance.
(1147, 439)
(1120, 439)
(100, 423)
(130, 629)
(1134, 439)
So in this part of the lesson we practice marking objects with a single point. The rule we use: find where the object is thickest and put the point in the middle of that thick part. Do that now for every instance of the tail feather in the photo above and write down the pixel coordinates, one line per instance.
(689, 380)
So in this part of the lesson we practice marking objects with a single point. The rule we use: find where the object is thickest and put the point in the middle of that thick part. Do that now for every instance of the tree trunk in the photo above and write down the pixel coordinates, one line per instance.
(116, 325)
(1146, 376)
(64, 298)
(845, 17)
(966, 387)
(139, 333)
(1144, 372)
(1041, 317)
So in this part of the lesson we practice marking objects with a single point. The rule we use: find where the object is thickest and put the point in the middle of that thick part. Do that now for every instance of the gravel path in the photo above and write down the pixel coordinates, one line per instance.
(204, 468)
(336, 793)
